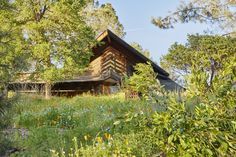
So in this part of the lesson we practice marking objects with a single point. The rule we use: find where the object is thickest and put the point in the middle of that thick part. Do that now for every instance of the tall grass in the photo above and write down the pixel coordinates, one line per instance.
(52, 124)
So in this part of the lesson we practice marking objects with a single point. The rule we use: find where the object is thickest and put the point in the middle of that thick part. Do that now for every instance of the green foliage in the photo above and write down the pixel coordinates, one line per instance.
(205, 132)
(139, 48)
(102, 17)
(104, 126)
(144, 81)
(2, 106)
(5, 144)
(51, 117)
(219, 12)
(5, 119)
(38, 142)
(203, 124)
(99, 148)
(196, 127)
(12, 59)
(52, 124)
(57, 38)
(204, 56)
(5, 105)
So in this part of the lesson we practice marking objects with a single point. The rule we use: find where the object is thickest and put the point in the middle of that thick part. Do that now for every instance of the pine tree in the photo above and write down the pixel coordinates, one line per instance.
(218, 12)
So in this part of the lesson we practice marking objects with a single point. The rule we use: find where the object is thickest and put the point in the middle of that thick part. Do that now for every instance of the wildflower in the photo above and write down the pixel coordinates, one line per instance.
(126, 141)
(99, 139)
(86, 138)
(107, 136)
(54, 153)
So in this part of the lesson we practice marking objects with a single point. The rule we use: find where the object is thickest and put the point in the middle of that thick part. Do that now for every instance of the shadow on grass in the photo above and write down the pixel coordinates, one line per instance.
(6, 145)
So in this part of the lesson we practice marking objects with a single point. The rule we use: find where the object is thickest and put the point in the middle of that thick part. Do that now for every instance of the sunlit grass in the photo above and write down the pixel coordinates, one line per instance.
(53, 123)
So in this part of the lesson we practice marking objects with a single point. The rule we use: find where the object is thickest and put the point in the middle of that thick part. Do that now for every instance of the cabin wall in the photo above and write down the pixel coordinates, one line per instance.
(109, 60)
(94, 68)
(114, 57)
(130, 59)
(113, 60)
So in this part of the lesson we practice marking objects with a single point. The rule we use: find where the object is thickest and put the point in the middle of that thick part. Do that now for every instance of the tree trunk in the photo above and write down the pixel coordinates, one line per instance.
(48, 92)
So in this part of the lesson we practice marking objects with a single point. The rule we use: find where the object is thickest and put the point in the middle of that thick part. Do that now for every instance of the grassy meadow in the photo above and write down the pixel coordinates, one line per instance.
(103, 126)
(38, 125)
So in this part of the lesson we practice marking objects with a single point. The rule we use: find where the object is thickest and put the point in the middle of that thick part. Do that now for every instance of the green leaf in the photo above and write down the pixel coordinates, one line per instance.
(116, 122)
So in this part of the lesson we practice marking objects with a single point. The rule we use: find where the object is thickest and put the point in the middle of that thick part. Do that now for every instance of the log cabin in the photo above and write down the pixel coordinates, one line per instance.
(110, 62)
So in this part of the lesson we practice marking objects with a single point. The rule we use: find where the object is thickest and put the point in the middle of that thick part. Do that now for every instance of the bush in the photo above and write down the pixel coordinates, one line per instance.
(207, 131)
(5, 144)
(144, 81)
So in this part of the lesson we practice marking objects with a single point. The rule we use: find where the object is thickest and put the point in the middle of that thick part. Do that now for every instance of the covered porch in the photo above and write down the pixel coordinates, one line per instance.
(107, 83)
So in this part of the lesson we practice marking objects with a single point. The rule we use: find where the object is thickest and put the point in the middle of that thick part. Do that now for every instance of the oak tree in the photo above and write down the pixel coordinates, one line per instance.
(57, 38)
(13, 59)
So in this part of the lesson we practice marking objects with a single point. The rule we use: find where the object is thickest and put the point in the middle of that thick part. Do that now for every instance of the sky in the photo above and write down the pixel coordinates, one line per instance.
(136, 15)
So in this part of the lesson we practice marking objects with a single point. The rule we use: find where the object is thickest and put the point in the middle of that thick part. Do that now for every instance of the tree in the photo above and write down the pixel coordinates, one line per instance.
(12, 58)
(102, 17)
(4, 43)
(56, 36)
(219, 12)
(202, 54)
(139, 48)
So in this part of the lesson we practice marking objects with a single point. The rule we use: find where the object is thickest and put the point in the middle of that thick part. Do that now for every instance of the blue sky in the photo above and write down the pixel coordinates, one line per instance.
(136, 17)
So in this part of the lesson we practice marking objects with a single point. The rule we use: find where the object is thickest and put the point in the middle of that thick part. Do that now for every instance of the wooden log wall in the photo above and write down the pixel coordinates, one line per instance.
(94, 68)
(113, 60)
(131, 59)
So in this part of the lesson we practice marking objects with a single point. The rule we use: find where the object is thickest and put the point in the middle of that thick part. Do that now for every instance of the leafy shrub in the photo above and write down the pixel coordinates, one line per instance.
(5, 144)
(207, 131)
(144, 81)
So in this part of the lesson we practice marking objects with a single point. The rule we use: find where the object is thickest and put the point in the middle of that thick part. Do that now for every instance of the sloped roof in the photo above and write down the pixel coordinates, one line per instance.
(112, 36)
(170, 85)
